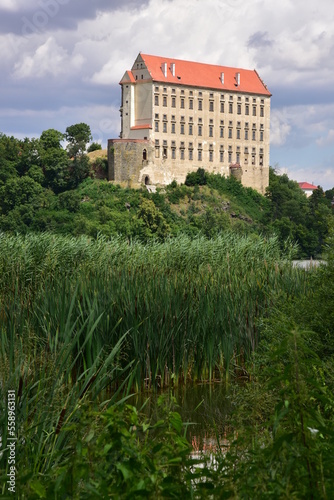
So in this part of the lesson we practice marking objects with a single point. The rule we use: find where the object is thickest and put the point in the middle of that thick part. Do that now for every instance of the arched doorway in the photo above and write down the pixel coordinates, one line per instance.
(147, 180)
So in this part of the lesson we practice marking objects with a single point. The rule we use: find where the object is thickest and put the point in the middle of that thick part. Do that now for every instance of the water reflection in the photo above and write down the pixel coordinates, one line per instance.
(205, 408)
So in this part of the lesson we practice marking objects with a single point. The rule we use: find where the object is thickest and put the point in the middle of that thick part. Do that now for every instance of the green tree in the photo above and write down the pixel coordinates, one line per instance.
(77, 137)
(94, 146)
(18, 191)
(152, 220)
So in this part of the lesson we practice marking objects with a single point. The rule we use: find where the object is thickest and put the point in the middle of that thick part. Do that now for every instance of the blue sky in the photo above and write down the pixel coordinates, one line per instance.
(61, 61)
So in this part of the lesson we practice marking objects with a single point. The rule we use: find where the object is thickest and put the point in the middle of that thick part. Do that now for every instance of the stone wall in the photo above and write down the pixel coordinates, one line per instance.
(127, 159)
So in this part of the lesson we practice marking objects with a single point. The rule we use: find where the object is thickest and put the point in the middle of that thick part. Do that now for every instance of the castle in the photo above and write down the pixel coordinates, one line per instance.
(177, 116)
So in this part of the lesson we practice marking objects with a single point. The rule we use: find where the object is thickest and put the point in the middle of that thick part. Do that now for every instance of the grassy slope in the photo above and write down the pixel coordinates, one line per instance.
(110, 209)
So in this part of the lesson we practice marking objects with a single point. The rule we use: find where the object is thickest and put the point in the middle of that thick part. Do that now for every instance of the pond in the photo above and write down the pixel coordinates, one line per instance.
(205, 407)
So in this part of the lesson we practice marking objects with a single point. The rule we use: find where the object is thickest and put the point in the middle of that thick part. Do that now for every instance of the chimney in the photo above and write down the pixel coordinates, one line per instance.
(172, 68)
(222, 78)
(237, 78)
(164, 69)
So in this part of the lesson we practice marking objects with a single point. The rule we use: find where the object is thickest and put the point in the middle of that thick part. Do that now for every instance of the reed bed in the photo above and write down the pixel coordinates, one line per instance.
(186, 310)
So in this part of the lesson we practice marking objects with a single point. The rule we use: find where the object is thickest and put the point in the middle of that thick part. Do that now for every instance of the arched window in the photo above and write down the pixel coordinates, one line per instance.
(144, 154)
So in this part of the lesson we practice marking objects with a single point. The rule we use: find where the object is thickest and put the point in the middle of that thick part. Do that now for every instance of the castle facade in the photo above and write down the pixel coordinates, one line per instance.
(177, 116)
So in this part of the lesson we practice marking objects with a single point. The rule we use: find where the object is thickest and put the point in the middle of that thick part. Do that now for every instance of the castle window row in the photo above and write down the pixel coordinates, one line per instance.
(232, 131)
(254, 109)
(189, 152)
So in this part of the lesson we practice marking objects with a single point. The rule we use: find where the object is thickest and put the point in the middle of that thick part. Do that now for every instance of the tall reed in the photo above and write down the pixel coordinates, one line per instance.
(189, 308)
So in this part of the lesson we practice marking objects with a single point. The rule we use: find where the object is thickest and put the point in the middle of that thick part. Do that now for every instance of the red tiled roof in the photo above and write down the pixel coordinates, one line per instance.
(140, 127)
(306, 185)
(204, 75)
(128, 76)
(128, 140)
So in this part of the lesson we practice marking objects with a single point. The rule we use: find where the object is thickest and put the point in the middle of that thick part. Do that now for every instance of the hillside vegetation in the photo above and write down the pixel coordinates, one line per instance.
(44, 187)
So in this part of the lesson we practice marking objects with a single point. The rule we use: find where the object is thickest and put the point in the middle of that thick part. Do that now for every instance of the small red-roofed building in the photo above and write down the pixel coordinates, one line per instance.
(307, 188)
(178, 116)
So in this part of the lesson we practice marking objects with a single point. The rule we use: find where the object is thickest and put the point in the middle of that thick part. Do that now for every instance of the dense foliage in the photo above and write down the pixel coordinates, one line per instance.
(63, 349)
(105, 290)
(44, 187)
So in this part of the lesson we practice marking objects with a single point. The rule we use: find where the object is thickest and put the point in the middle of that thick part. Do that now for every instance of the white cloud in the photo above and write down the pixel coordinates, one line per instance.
(327, 140)
(280, 128)
(49, 59)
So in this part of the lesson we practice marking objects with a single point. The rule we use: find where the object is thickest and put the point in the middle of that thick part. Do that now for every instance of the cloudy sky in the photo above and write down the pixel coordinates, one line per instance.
(61, 61)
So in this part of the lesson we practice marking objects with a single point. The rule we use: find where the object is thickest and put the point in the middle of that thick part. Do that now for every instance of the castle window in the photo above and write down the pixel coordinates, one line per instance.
(230, 133)
(182, 128)
(173, 102)
(211, 106)
(262, 111)
(156, 100)
(200, 105)
(173, 91)
(238, 157)
(173, 128)
(182, 92)
(230, 156)
(261, 135)
(164, 101)
(254, 110)
(210, 155)
(254, 99)
(200, 128)
(164, 117)
(238, 133)
(222, 107)
(247, 109)
(173, 153)
(199, 155)
(200, 94)
(253, 159)
(157, 151)
(190, 129)
(165, 153)
(210, 130)
(246, 134)
(164, 127)
(165, 89)
(182, 102)
(190, 92)
(253, 135)
(230, 107)
(156, 126)
(261, 160)
(182, 153)
(191, 104)
(247, 99)
(156, 89)
(190, 154)
(239, 109)
(144, 154)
